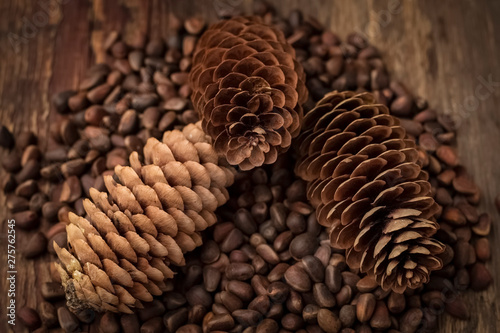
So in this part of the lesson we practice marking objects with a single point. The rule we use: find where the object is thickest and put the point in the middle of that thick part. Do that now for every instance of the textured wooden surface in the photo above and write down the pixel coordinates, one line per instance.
(442, 50)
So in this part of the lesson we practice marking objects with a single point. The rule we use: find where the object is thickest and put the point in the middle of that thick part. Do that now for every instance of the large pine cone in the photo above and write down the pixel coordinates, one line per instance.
(120, 254)
(365, 180)
(248, 90)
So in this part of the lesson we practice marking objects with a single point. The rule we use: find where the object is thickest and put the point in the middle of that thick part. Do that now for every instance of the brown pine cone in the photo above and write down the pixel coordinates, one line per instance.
(248, 90)
(365, 180)
(119, 256)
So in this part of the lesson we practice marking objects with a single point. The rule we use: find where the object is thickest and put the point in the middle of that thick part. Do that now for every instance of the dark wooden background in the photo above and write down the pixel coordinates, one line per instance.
(442, 50)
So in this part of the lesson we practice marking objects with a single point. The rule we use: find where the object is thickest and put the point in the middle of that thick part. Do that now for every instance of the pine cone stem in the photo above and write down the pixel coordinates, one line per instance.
(248, 90)
(153, 212)
(369, 190)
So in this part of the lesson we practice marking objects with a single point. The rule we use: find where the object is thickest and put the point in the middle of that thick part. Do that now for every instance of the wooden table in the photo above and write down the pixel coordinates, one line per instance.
(442, 50)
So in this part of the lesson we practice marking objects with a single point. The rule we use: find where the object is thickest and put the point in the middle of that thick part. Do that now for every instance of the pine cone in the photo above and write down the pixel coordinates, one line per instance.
(248, 90)
(365, 180)
(119, 256)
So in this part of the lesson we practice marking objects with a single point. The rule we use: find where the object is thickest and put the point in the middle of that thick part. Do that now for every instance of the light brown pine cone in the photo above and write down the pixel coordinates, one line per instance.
(120, 255)
(248, 90)
(365, 180)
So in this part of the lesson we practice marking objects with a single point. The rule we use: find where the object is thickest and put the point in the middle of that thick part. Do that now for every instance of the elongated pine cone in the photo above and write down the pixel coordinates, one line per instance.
(248, 90)
(120, 255)
(368, 188)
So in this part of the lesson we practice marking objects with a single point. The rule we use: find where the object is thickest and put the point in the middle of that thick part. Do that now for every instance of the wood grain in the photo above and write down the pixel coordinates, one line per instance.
(441, 50)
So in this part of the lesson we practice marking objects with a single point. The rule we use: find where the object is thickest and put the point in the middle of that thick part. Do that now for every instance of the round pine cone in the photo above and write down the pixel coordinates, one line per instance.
(248, 90)
(369, 190)
(119, 256)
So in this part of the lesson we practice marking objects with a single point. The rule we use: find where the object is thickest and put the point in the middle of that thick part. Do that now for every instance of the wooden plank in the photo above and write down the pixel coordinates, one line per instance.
(56, 58)
(443, 51)
(25, 76)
